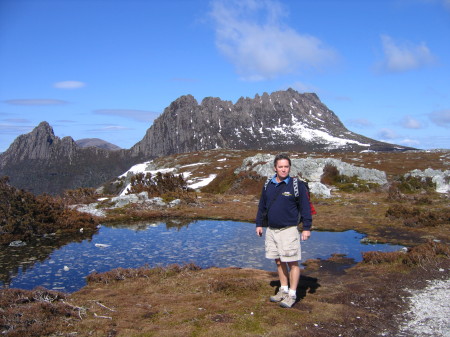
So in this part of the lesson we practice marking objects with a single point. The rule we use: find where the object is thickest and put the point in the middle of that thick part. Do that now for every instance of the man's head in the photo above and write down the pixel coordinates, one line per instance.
(282, 166)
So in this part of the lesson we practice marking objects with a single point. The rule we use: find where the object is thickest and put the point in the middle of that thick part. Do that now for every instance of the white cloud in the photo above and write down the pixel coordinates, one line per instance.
(35, 102)
(302, 87)
(16, 120)
(404, 57)
(360, 122)
(446, 4)
(387, 134)
(14, 129)
(411, 123)
(441, 118)
(252, 36)
(138, 115)
(409, 142)
(69, 85)
(343, 98)
(183, 79)
(110, 128)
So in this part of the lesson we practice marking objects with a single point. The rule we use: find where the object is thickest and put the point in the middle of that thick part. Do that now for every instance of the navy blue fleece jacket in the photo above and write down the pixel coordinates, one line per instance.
(283, 211)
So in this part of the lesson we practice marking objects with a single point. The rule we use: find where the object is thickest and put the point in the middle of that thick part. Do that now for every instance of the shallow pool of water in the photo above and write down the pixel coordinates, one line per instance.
(206, 243)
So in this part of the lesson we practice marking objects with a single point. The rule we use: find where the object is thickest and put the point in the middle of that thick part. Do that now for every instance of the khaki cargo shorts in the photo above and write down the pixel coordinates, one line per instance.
(283, 244)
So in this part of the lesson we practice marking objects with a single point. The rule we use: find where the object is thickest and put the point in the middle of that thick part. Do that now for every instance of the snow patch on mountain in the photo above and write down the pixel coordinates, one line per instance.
(203, 182)
(150, 167)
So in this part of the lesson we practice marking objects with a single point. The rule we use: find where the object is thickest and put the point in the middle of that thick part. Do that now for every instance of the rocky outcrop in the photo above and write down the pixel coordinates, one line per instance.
(283, 120)
(440, 178)
(141, 199)
(41, 162)
(311, 170)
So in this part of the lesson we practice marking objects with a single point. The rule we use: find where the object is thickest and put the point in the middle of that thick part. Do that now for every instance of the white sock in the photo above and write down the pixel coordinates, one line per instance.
(284, 289)
(292, 293)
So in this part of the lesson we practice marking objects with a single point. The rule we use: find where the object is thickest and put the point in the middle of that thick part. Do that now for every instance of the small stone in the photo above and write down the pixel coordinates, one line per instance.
(17, 243)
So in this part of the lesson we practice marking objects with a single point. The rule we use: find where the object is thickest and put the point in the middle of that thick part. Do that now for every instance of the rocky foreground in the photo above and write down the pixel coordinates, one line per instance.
(380, 296)
(336, 297)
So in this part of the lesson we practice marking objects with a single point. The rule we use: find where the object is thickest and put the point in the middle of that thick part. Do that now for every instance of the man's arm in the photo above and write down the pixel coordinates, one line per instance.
(305, 209)
(261, 208)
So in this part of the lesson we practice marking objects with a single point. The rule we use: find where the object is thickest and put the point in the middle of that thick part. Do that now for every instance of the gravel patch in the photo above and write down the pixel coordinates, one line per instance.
(429, 311)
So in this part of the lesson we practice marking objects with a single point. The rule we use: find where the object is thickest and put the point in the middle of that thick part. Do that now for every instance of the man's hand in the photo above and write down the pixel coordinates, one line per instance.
(259, 231)
(306, 235)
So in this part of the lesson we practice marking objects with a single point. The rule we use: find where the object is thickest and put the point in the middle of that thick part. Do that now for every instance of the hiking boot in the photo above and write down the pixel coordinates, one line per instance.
(279, 296)
(288, 301)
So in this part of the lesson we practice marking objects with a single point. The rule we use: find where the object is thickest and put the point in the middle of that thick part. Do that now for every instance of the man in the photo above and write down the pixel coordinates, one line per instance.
(282, 242)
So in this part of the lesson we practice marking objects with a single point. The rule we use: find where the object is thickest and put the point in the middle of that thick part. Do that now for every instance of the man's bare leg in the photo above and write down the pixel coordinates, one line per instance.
(294, 275)
(283, 273)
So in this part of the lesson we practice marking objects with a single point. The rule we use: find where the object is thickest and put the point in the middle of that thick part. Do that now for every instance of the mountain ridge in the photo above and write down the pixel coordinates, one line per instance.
(41, 162)
(282, 121)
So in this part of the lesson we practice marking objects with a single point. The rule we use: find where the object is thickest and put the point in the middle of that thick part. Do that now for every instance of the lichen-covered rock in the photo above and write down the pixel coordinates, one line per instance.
(440, 178)
(311, 170)
(91, 209)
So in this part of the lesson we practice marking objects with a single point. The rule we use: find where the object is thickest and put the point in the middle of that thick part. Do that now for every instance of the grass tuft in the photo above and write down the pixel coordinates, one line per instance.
(422, 255)
(419, 217)
(120, 274)
(31, 312)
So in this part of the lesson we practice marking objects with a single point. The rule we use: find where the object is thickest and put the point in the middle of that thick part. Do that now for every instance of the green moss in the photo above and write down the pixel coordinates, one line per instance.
(412, 184)
(248, 324)
(331, 176)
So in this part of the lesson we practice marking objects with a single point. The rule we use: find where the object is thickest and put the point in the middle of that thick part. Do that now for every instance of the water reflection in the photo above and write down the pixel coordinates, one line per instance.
(17, 260)
(206, 243)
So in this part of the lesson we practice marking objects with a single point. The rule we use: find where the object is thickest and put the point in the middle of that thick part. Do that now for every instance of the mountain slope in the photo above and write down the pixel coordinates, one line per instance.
(96, 142)
(41, 162)
(283, 120)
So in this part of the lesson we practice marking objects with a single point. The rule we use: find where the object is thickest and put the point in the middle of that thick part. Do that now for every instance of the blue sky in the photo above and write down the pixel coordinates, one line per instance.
(108, 68)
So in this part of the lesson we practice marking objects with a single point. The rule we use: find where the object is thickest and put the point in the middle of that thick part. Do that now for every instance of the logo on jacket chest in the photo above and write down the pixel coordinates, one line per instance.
(287, 194)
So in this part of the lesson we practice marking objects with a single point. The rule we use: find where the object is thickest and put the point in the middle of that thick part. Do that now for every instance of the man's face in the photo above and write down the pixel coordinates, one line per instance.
(282, 169)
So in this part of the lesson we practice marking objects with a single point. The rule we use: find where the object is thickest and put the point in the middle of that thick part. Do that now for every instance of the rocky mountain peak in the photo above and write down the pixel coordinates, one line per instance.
(40, 143)
(284, 119)
(183, 102)
(42, 162)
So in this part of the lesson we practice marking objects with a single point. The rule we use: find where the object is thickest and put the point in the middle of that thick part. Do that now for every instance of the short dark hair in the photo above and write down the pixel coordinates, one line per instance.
(280, 157)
